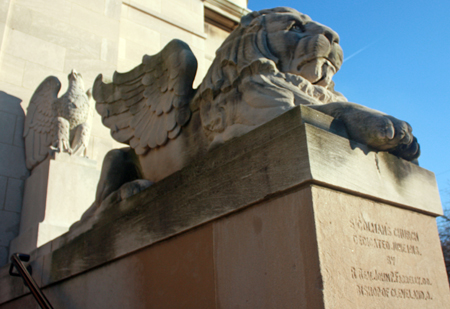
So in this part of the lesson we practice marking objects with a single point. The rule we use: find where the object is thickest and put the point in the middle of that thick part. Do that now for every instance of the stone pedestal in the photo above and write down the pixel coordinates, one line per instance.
(291, 215)
(56, 194)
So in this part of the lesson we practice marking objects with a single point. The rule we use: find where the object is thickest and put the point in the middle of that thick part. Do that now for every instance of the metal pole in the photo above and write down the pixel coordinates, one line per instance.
(16, 260)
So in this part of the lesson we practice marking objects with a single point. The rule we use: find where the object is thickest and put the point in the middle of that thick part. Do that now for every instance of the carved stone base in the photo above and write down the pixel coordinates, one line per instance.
(56, 194)
(287, 216)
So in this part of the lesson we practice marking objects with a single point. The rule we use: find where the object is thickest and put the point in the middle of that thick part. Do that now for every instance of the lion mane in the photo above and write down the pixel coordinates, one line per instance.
(244, 87)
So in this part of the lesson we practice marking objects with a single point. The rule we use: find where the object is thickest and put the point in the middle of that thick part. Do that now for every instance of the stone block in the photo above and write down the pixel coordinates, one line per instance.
(215, 38)
(122, 49)
(3, 255)
(56, 194)
(60, 9)
(34, 197)
(18, 132)
(12, 69)
(3, 184)
(10, 104)
(109, 51)
(21, 18)
(37, 51)
(9, 226)
(187, 259)
(71, 189)
(152, 5)
(13, 161)
(28, 301)
(197, 6)
(171, 33)
(384, 256)
(64, 34)
(4, 9)
(14, 99)
(124, 10)
(98, 129)
(96, 23)
(36, 236)
(35, 73)
(88, 67)
(25, 241)
(2, 33)
(37, 262)
(181, 11)
(125, 65)
(134, 51)
(139, 34)
(14, 193)
(198, 42)
(97, 6)
(167, 29)
(265, 258)
(7, 126)
(113, 9)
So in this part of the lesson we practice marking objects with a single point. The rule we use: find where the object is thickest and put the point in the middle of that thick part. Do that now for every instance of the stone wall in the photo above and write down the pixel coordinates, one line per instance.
(39, 38)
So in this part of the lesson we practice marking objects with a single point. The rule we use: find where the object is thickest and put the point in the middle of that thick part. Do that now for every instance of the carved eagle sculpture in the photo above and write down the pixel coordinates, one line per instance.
(274, 60)
(57, 124)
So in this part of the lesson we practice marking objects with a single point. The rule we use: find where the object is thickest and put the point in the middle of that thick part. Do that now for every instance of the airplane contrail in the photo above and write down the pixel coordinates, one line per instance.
(361, 50)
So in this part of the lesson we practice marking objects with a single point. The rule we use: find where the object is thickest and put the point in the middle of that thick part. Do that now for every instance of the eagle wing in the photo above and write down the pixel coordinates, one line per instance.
(39, 128)
(148, 105)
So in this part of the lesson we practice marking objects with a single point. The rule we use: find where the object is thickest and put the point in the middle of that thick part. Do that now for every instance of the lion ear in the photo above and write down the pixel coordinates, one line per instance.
(249, 18)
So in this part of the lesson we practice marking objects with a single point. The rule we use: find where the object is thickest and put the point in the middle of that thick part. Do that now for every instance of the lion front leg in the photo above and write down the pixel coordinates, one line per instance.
(119, 179)
(120, 175)
(375, 129)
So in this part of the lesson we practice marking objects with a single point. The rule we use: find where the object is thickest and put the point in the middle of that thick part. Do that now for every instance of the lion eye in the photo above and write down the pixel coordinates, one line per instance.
(297, 27)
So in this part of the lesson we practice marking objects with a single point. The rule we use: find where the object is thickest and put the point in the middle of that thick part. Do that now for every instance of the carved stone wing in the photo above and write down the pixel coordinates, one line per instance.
(39, 128)
(148, 105)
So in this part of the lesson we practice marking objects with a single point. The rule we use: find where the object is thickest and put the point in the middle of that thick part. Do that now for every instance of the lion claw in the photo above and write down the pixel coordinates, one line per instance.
(408, 152)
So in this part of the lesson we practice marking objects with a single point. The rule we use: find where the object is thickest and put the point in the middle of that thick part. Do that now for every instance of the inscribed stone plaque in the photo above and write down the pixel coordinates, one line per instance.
(375, 255)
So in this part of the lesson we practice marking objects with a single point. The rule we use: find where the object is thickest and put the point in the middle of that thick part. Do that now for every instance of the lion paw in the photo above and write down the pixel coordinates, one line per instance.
(133, 187)
(383, 133)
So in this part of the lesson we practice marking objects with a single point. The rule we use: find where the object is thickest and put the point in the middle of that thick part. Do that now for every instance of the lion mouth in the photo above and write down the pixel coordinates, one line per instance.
(318, 71)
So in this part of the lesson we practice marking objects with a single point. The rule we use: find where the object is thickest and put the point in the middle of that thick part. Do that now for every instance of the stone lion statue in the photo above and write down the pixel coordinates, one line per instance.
(274, 60)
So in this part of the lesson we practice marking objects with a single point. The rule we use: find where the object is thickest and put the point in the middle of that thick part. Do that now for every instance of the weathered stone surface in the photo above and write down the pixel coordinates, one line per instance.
(7, 126)
(10, 104)
(272, 243)
(38, 51)
(13, 161)
(3, 255)
(256, 207)
(13, 201)
(377, 256)
(267, 168)
(49, 208)
(3, 182)
(9, 226)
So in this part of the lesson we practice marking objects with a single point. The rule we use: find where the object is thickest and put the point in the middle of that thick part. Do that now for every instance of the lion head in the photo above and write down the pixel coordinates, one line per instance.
(274, 60)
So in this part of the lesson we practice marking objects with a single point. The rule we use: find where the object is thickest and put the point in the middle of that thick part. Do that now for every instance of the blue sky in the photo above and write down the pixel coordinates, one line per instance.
(396, 60)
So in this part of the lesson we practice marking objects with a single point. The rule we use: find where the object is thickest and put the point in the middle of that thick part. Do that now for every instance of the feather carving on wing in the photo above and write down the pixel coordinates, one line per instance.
(39, 132)
(149, 105)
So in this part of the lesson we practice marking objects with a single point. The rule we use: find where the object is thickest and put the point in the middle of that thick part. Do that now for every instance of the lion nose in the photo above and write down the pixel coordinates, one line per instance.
(317, 28)
(332, 36)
